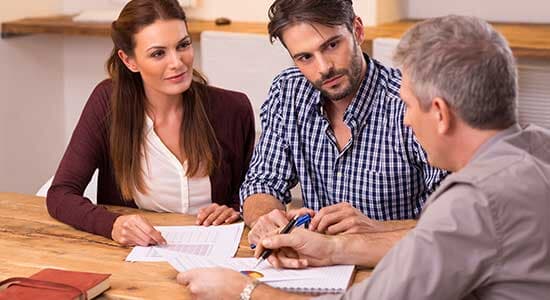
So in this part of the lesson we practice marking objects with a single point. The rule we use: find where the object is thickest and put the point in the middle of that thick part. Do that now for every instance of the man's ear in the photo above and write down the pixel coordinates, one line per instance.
(358, 30)
(128, 61)
(443, 115)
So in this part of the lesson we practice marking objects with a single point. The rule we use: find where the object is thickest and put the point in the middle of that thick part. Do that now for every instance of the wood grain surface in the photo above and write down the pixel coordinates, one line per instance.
(31, 240)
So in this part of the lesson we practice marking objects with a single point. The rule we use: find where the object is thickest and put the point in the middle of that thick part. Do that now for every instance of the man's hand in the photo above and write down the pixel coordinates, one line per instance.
(344, 218)
(267, 224)
(271, 222)
(131, 230)
(216, 214)
(213, 283)
(299, 249)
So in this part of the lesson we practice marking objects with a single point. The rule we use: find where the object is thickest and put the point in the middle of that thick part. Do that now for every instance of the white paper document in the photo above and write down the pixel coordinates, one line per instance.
(212, 241)
(265, 272)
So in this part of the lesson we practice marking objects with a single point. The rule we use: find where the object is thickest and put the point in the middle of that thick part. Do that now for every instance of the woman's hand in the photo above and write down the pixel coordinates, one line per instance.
(216, 214)
(131, 230)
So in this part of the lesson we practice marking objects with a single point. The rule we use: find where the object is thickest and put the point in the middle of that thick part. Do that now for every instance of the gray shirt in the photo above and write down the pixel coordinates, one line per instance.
(485, 232)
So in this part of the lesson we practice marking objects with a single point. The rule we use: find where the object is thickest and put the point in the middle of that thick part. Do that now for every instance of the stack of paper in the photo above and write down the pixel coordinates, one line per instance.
(331, 279)
(214, 241)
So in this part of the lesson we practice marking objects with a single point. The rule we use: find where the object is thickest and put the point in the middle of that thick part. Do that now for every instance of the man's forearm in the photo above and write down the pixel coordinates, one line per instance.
(258, 205)
(365, 249)
(396, 225)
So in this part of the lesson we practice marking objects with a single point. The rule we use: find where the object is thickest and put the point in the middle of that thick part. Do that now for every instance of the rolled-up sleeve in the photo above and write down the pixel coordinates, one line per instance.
(271, 170)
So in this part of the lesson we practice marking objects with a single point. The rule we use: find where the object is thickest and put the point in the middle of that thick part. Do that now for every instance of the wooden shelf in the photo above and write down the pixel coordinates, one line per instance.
(526, 40)
(63, 24)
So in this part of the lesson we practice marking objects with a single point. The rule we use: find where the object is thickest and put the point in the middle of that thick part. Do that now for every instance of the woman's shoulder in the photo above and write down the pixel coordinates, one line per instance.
(102, 91)
(100, 98)
(228, 99)
(98, 105)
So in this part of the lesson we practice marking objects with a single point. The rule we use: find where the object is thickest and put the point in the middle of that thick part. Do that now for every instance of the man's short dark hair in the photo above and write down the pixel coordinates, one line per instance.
(284, 13)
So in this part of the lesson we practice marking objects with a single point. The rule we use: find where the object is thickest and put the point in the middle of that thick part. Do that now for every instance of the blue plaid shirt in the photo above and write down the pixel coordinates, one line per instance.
(382, 171)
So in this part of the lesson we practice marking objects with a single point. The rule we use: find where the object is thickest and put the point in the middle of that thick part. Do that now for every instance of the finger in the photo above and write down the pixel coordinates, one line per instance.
(342, 227)
(131, 234)
(319, 216)
(292, 263)
(254, 234)
(214, 215)
(277, 218)
(234, 217)
(205, 212)
(183, 278)
(301, 211)
(259, 247)
(265, 224)
(281, 241)
(274, 261)
(135, 236)
(285, 258)
(224, 215)
(154, 236)
(327, 210)
(331, 219)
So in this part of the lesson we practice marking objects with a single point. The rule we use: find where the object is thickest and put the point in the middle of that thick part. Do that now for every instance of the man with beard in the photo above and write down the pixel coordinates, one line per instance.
(334, 123)
(483, 233)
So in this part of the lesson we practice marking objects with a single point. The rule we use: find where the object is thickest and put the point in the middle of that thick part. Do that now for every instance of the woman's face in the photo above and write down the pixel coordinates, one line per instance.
(163, 56)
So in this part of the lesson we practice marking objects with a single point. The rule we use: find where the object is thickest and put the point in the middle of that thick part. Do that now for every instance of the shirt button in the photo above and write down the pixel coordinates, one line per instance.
(339, 174)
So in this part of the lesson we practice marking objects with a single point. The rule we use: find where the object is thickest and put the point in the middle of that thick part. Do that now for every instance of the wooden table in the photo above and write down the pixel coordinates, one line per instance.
(31, 240)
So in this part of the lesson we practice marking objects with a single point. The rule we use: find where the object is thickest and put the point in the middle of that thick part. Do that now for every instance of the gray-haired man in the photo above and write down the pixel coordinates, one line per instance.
(484, 231)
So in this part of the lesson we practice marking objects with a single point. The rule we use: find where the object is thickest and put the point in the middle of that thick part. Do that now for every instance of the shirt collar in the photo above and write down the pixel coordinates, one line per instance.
(495, 139)
(149, 125)
(357, 112)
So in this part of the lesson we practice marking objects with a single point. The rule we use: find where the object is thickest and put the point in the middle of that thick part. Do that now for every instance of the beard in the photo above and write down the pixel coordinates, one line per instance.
(351, 74)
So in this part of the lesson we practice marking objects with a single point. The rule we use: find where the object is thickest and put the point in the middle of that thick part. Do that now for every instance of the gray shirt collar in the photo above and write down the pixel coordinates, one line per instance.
(495, 139)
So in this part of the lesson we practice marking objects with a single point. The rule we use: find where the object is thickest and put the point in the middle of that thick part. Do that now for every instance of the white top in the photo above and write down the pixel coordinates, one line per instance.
(168, 188)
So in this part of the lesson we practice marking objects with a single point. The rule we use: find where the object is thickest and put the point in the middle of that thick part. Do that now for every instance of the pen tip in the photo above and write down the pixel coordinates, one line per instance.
(258, 263)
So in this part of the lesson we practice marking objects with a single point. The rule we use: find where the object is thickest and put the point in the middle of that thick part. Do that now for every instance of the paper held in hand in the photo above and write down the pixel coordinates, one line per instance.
(212, 241)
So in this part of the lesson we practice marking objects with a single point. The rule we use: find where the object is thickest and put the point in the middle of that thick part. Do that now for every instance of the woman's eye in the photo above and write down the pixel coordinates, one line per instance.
(158, 53)
(184, 45)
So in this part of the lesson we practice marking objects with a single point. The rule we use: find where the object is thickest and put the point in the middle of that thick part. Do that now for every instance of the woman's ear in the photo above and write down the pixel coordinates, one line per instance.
(128, 61)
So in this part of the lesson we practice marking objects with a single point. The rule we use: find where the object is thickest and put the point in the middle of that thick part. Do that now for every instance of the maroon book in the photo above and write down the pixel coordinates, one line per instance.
(55, 284)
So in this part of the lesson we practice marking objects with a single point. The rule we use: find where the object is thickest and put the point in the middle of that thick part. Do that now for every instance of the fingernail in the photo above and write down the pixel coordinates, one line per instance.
(252, 246)
(266, 242)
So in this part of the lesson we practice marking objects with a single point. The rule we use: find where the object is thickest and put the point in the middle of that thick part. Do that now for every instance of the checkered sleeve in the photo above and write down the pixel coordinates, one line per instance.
(271, 170)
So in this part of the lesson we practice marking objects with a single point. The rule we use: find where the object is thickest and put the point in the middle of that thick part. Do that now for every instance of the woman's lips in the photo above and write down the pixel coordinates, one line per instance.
(176, 78)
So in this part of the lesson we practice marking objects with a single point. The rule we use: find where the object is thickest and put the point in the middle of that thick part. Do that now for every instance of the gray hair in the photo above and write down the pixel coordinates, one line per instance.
(467, 63)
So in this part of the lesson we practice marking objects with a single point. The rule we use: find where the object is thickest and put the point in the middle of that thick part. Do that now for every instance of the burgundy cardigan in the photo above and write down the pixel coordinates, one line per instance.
(231, 116)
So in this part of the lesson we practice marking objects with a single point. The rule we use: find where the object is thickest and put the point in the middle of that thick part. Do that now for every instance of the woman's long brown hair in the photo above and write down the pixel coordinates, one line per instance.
(128, 103)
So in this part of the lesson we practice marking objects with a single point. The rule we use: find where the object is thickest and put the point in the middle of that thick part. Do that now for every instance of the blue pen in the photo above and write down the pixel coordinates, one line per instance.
(295, 222)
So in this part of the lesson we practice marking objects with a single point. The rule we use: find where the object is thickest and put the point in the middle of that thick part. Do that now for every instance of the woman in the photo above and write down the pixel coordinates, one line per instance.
(161, 138)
